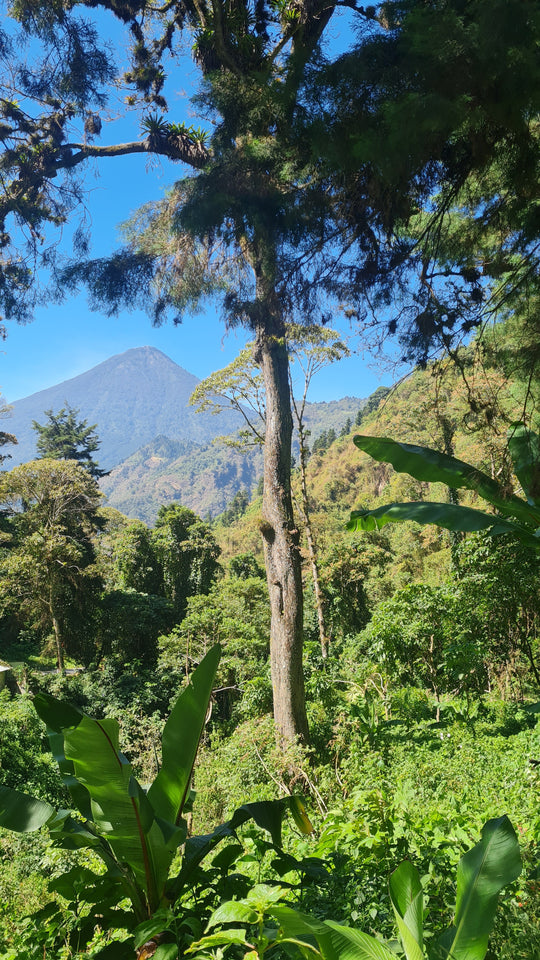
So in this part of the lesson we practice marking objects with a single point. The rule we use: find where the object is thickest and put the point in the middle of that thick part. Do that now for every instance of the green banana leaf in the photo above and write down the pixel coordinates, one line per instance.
(482, 873)
(524, 446)
(131, 827)
(425, 464)
(408, 902)
(450, 516)
(350, 944)
(73, 834)
(57, 715)
(296, 926)
(22, 813)
(120, 810)
(181, 736)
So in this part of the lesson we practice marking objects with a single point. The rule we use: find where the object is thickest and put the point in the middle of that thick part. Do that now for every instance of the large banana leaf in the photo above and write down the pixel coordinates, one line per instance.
(180, 742)
(135, 833)
(22, 813)
(59, 715)
(408, 903)
(120, 809)
(448, 515)
(298, 926)
(482, 873)
(425, 464)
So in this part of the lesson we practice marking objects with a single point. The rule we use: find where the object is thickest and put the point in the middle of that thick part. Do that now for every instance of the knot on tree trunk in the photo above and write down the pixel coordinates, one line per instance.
(267, 531)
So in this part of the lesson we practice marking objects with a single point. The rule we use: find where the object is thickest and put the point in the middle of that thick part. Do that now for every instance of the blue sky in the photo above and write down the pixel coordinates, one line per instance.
(67, 339)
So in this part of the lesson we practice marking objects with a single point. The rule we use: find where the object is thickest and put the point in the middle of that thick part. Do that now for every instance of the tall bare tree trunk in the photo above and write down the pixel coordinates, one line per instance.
(56, 629)
(312, 549)
(280, 535)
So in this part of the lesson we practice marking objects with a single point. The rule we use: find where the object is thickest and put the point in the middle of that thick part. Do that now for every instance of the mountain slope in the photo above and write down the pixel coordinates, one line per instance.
(133, 397)
(203, 478)
(159, 446)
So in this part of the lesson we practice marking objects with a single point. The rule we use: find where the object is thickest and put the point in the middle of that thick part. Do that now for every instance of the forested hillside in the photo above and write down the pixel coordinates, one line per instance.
(308, 728)
(422, 706)
(205, 477)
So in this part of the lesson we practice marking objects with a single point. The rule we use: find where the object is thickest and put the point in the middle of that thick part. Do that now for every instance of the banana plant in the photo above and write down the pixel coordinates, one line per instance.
(135, 831)
(515, 515)
(483, 871)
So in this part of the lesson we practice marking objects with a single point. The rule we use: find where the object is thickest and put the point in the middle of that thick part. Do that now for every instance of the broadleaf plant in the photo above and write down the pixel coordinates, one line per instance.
(514, 514)
(135, 831)
(483, 871)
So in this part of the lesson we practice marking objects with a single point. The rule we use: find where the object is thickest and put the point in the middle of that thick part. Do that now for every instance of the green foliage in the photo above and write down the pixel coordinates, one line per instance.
(135, 831)
(187, 553)
(234, 613)
(482, 873)
(49, 579)
(236, 508)
(421, 636)
(345, 568)
(5, 438)
(245, 565)
(517, 516)
(64, 437)
(136, 561)
(129, 624)
(238, 387)
(136, 834)
(497, 584)
(472, 221)
(22, 759)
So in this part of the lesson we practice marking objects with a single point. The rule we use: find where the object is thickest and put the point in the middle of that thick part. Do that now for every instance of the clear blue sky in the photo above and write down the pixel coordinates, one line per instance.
(67, 339)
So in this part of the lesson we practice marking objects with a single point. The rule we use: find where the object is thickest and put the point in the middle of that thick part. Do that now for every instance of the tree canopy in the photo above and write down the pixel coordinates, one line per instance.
(312, 182)
(64, 437)
(48, 575)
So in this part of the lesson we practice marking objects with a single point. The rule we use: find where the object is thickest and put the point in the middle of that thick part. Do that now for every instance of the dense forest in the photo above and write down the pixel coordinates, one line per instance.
(308, 727)
(422, 707)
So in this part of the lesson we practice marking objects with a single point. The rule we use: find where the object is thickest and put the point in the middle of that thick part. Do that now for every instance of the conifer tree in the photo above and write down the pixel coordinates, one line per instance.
(5, 438)
(64, 437)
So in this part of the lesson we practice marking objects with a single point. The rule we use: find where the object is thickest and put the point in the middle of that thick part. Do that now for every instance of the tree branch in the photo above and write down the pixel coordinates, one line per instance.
(177, 147)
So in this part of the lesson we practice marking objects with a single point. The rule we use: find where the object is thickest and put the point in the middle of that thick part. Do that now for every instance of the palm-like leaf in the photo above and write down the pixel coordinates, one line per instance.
(482, 873)
(180, 742)
(450, 516)
(431, 466)
(520, 518)
(408, 903)
(135, 833)
(120, 810)
(352, 944)
(22, 813)
(524, 446)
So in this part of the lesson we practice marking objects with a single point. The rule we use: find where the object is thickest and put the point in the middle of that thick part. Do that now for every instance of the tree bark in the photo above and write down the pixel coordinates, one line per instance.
(56, 629)
(312, 549)
(280, 535)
